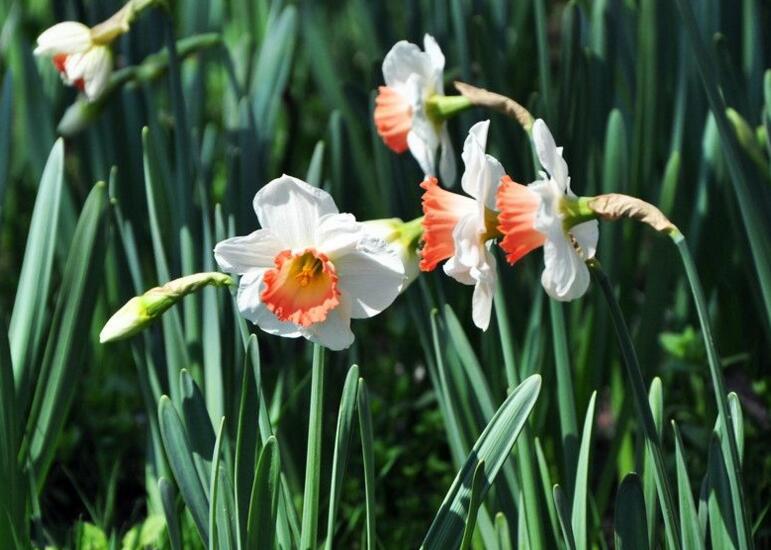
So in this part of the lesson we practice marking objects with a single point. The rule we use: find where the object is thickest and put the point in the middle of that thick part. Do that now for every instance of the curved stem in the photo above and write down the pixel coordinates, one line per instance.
(640, 397)
(718, 383)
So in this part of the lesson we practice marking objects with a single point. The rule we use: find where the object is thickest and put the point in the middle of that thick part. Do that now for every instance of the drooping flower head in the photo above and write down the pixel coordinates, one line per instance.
(402, 119)
(310, 269)
(81, 61)
(537, 214)
(461, 228)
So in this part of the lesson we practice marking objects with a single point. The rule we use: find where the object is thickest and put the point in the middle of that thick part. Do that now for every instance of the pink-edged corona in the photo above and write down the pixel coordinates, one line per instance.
(538, 214)
(402, 114)
(461, 229)
(310, 269)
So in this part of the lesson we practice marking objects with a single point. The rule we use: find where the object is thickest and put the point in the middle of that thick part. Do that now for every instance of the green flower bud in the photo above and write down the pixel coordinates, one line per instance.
(142, 310)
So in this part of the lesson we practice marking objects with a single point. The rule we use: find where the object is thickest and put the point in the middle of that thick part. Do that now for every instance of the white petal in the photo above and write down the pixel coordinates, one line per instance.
(565, 276)
(482, 303)
(68, 37)
(335, 331)
(371, 277)
(403, 60)
(338, 234)
(587, 234)
(98, 71)
(252, 308)
(241, 254)
(549, 154)
(447, 169)
(291, 209)
(423, 142)
(436, 59)
(483, 172)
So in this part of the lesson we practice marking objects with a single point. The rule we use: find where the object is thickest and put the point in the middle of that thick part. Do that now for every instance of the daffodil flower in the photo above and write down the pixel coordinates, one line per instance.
(81, 61)
(540, 214)
(403, 115)
(310, 269)
(461, 229)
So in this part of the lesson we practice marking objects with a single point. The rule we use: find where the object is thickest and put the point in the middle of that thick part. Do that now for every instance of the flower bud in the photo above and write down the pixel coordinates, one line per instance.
(142, 310)
(403, 239)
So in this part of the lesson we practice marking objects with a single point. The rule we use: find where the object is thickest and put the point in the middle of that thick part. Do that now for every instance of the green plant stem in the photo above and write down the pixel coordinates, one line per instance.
(313, 458)
(718, 384)
(640, 397)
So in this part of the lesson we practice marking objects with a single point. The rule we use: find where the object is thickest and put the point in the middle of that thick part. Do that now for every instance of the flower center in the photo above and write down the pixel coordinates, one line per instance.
(302, 288)
(517, 206)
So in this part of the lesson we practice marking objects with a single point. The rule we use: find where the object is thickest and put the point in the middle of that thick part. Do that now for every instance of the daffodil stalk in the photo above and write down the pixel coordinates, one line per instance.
(139, 312)
(83, 111)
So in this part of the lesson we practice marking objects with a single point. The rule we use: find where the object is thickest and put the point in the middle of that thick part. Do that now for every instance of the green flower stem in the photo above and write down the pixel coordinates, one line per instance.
(640, 397)
(576, 210)
(310, 520)
(442, 107)
(718, 383)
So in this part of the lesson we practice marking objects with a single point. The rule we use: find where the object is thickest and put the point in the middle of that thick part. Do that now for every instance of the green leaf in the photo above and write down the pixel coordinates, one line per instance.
(689, 520)
(310, 518)
(757, 229)
(368, 457)
(197, 427)
(722, 527)
(214, 486)
(166, 489)
(261, 525)
(563, 514)
(62, 365)
(656, 402)
(629, 525)
(180, 456)
(474, 503)
(732, 456)
(342, 440)
(313, 176)
(502, 532)
(493, 447)
(566, 404)
(578, 517)
(6, 125)
(30, 315)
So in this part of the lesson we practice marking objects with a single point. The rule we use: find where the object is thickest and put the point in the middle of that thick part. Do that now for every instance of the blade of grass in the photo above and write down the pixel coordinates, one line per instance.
(340, 453)
(475, 501)
(180, 458)
(213, 487)
(166, 490)
(656, 402)
(561, 505)
(261, 524)
(629, 525)
(689, 520)
(30, 316)
(639, 395)
(578, 518)
(733, 463)
(310, 517)
(368, 457)
(493, 447)
(6, 125)
(62, 364)
(757, 230)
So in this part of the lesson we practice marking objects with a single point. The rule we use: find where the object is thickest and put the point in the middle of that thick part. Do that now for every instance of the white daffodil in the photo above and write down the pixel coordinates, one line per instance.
(310, 269)
(539, 214)
(82, 60)
(461, 229)
(402, 117)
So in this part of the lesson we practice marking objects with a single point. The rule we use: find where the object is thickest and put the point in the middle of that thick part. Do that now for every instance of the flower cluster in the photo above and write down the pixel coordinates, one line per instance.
(310, 269)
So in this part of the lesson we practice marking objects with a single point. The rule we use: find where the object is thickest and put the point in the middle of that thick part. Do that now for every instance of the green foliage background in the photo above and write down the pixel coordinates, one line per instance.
(290, 89)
